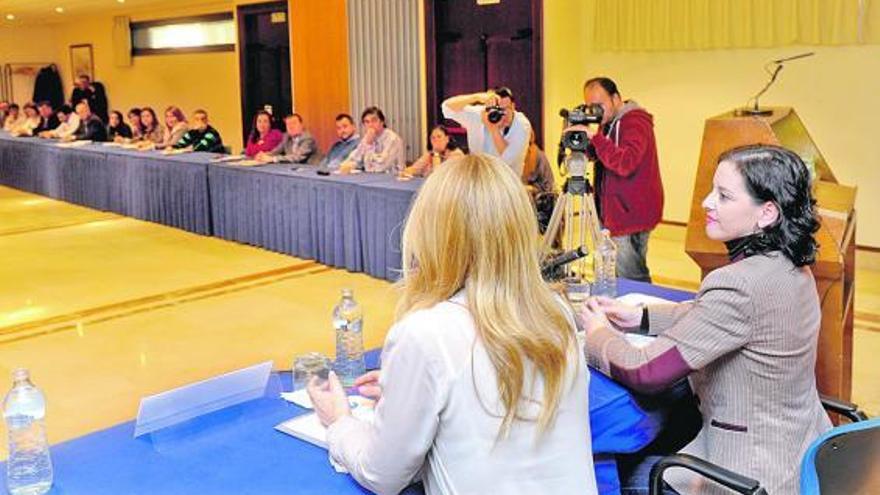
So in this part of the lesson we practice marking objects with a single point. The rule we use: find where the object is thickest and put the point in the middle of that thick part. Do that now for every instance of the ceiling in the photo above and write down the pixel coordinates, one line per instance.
(44, 11)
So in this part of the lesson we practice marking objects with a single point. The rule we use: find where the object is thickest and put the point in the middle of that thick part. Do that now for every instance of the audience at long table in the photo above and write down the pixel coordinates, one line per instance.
(378, 150)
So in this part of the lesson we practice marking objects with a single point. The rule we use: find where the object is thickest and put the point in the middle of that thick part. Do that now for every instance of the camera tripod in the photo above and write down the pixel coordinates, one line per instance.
(576, 200)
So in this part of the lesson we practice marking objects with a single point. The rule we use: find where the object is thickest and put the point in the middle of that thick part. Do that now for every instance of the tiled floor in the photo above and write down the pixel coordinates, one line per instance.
(105, 309)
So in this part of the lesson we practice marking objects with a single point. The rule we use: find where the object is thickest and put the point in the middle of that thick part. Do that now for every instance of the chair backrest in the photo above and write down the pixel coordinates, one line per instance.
(846, 459)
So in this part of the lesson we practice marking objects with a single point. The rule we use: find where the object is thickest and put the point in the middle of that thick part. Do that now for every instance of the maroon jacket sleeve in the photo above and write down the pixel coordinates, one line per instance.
(623, 158)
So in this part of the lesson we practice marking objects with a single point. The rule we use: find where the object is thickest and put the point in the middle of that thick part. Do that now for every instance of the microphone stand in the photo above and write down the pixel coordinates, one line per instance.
(756, 110)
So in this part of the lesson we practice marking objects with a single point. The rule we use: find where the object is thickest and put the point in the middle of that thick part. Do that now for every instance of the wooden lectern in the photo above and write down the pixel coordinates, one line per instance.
(835, 262)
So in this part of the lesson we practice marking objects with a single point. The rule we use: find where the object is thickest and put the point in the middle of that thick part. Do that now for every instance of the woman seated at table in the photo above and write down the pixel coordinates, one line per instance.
(29, 122)
(263, 137)
(483, 388)
(749, 338)
(441, 147)
(175, 127)
(134, 123)
(117, 129)
(152, 134)
(13, 119)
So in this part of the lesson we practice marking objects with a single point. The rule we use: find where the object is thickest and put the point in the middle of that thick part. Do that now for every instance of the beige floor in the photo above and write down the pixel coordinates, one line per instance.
(104, 309)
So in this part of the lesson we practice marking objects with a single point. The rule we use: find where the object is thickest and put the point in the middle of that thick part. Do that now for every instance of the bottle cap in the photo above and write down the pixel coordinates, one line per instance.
(19, 374)
(347, 292)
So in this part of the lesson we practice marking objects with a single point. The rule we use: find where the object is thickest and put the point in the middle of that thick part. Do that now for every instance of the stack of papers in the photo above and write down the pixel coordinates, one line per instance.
(309, 428)
(74, 144)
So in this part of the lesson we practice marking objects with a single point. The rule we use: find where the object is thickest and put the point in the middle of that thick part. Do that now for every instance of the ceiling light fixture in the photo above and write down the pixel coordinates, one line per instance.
(60, 10)
(10, 17)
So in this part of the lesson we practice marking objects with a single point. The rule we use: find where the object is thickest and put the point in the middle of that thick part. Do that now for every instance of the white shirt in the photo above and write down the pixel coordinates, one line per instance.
(430, 423)
(68, 128)
(384, 154)
(480, 139)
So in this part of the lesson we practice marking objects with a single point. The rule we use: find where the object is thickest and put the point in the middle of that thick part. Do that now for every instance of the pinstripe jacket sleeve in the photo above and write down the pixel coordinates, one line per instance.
(689, 336)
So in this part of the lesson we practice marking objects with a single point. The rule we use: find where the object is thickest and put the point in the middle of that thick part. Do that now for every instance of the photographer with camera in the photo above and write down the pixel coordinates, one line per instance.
(628, 189)
(493, 125)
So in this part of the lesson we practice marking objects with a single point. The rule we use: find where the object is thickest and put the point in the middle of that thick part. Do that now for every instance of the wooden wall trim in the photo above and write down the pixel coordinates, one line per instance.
(319, 34)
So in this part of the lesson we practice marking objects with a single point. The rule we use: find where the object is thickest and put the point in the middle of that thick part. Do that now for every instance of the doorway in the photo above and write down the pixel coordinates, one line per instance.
(475, 45)
(264, 51)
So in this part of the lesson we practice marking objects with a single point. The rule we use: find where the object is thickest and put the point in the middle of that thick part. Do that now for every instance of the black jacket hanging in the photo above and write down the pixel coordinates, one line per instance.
(47, 87)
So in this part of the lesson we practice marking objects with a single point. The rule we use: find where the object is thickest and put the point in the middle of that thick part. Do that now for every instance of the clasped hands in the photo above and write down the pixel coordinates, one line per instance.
(600, 311)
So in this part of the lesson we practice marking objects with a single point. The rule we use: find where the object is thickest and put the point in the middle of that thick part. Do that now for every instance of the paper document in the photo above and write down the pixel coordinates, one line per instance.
(73, 144)
(309, 428)
(639, 299)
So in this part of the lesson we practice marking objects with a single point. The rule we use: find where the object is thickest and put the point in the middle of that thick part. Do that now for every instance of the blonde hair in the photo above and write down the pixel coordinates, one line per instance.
(472, 226)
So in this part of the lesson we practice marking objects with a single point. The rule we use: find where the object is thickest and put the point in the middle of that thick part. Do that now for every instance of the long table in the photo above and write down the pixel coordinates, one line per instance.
(167, 189)
(236, 450)
(352, 221)
(346, 221)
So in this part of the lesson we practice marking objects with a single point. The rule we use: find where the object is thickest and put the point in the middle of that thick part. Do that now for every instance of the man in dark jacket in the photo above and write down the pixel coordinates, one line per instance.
(90, 126)
(629, 192)
(93, 93)
(48, 120)
(201, 136)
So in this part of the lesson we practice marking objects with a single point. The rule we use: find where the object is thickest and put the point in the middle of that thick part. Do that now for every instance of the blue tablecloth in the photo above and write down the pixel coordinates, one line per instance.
(346, 221)
(171, 190)
(352, 222)
(236, 450)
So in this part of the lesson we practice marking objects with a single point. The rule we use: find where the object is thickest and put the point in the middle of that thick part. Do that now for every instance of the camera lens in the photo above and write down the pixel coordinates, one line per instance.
(495, 115)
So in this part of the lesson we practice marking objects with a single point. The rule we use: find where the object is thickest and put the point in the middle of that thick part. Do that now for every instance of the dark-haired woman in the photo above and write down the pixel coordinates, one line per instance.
(263, 137)
(117, 129)
(152, 134)
(441, 147)
(748, 341)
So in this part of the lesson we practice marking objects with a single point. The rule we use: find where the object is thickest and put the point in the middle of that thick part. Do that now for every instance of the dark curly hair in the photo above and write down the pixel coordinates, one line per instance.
(773, 173)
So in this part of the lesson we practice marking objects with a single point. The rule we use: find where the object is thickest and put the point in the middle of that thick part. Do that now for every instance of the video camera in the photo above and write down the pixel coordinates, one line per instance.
(580, 115)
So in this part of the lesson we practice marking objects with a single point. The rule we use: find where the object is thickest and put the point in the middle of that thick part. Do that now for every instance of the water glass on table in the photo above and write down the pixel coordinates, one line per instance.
(308, 366)
(577, 290)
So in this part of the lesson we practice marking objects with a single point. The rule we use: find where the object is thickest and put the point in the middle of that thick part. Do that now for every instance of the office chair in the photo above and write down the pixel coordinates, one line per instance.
(844, 460)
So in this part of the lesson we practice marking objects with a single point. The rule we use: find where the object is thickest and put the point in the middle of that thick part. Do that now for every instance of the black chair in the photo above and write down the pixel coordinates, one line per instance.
(845, 460)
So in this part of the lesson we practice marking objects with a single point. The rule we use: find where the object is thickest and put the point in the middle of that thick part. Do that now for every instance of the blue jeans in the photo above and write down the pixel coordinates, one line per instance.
(632, 254)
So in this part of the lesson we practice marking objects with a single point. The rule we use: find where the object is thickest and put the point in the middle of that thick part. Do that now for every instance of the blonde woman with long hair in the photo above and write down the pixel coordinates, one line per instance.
(482, 387)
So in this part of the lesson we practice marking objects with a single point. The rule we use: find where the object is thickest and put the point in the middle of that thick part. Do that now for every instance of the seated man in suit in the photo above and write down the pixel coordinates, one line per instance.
(91, 128)
(48, 120)
(348, 141)
(297, 146)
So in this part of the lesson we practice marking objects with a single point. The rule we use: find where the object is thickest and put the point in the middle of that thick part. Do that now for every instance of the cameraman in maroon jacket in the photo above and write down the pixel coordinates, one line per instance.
(629, 193)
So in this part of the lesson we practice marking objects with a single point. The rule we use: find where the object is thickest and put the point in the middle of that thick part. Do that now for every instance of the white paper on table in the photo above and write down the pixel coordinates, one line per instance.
(299, 397)
(309, 428)
(189, 401)
(639, 299)
(73, 144)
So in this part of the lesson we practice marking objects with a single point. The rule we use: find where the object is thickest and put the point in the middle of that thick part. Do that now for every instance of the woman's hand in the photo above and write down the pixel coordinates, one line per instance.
(329, 399)
(368, 385)
(592, 317)
(622, 315)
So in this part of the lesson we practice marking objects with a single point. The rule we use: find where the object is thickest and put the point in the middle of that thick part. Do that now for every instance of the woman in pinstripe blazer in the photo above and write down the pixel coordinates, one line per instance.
(748, 341)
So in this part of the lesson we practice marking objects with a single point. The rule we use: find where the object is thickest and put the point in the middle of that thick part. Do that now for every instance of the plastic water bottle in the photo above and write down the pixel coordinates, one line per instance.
(29, 467)
(605, 267)
(348, 323)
